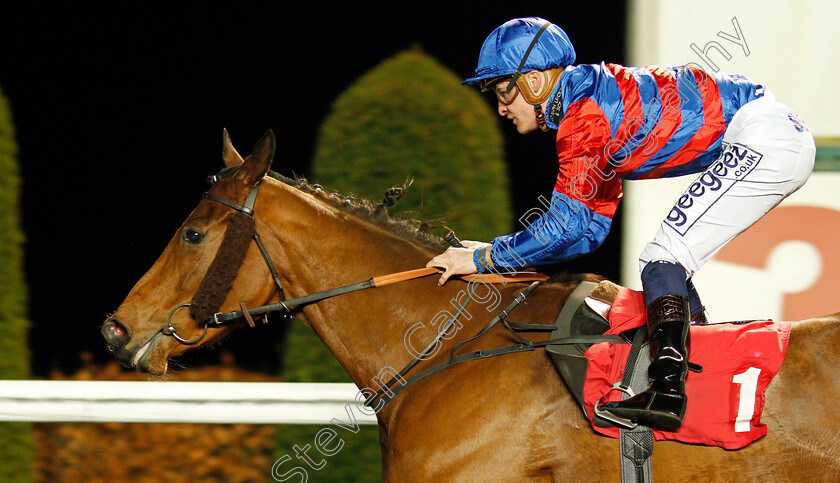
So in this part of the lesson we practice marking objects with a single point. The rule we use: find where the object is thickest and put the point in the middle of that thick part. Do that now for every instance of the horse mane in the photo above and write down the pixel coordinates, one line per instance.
(408, 228)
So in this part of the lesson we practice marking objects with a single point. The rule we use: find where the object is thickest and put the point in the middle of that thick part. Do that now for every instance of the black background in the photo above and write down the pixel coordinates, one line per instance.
(119, 113)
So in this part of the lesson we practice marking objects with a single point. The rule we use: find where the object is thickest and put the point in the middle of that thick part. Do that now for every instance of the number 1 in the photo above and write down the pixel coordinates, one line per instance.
(746, 404)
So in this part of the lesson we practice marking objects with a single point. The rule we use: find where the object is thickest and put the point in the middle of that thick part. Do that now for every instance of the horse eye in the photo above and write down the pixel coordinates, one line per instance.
(193, 237)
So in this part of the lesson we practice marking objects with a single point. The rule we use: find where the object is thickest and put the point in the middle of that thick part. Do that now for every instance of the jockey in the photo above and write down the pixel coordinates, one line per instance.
(614, 123)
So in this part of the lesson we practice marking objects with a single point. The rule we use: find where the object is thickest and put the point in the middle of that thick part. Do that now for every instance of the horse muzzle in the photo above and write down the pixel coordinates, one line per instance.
(117, 336)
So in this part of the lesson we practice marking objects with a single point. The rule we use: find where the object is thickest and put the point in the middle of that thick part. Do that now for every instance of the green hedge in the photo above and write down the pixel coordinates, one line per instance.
(410, 116)
(16, 446)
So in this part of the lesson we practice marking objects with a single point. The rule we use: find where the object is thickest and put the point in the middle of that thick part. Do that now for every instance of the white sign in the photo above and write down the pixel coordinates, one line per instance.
(793, 48)
(785, 267)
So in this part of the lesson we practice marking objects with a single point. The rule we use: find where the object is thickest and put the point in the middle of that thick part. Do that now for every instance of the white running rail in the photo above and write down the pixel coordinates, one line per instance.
(180, 402)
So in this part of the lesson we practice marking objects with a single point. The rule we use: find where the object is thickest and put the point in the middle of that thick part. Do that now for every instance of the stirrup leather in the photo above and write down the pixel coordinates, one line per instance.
(663, 404)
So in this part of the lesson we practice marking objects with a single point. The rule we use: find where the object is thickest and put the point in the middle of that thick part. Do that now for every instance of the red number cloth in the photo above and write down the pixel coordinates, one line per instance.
(739, 361)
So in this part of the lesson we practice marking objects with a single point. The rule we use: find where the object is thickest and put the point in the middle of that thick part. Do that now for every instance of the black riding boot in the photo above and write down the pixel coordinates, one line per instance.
(662, 405)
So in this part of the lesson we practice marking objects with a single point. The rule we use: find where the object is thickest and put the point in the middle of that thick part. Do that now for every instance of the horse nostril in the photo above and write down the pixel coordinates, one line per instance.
(115, 333)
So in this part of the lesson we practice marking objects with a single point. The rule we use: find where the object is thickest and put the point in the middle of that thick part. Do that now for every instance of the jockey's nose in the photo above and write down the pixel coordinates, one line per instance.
(116, 334)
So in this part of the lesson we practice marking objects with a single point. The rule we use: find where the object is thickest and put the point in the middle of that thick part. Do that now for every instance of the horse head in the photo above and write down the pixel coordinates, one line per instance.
(167, 311)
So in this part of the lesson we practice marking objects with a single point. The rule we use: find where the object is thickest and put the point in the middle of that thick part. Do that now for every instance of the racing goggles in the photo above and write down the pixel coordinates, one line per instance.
(504, 87)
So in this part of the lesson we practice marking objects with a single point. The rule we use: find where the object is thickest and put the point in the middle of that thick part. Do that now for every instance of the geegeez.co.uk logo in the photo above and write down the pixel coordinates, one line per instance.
(735, 162)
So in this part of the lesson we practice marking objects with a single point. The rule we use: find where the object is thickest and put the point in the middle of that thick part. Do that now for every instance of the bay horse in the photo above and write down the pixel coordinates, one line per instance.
(507, 418)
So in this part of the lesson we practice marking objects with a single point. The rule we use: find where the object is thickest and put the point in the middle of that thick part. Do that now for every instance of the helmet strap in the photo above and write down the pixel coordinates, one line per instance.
(518, 72)
(540, 117)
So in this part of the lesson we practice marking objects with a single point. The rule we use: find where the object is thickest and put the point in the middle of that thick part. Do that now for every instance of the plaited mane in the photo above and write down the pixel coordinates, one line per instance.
(411, 229)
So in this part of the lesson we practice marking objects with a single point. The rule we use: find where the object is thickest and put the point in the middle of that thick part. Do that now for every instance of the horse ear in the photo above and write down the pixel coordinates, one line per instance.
(259, 162)
(229, 154)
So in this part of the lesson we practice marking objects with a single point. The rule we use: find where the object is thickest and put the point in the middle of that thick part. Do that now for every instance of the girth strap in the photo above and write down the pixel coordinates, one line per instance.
(636, 443)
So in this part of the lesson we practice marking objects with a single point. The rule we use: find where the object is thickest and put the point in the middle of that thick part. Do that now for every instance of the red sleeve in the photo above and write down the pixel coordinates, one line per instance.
(583, 171)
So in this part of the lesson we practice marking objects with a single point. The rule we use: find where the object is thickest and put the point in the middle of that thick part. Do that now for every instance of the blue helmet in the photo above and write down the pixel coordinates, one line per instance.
(508, 49)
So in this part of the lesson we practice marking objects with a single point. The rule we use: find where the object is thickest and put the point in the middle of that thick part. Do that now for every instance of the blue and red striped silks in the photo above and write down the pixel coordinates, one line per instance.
(622, 123)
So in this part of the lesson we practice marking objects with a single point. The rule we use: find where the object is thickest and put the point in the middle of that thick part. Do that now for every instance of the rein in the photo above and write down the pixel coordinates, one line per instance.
(375, 282)
(223, 270)
(225, 266)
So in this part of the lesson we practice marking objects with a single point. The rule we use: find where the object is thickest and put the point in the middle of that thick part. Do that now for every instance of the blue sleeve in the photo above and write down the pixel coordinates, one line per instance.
(566, 230)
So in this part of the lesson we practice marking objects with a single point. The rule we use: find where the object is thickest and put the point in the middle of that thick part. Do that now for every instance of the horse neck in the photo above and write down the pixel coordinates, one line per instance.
(317, 247)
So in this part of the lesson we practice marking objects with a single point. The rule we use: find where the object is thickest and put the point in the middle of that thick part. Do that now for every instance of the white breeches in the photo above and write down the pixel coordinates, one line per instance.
(768, 153)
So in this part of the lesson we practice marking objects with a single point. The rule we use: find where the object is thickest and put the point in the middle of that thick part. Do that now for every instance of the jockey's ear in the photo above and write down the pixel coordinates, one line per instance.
(229, 154)
(259, 162)
(535, 79)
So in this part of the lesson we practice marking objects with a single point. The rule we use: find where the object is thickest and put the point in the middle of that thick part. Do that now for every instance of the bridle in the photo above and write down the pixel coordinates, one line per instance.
(246, 212)
(389, 390)
(209, 315)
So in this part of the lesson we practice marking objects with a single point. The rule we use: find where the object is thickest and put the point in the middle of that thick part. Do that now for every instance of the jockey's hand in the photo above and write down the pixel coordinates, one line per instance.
(454, 261)
(474, 244)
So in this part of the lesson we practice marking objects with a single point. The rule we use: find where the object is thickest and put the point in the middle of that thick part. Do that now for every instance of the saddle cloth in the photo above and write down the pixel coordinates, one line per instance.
(724, 400)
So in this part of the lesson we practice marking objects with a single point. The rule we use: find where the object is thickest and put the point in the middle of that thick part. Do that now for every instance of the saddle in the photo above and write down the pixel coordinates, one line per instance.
(581, 315)
(738, 360)
(725, 400)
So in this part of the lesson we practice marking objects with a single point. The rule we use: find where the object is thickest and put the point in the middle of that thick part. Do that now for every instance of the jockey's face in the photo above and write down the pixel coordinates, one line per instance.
(519, 111)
